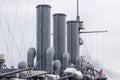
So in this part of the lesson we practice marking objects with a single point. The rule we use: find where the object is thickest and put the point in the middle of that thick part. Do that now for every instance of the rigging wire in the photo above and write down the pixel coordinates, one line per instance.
(14, 24)
(16, 15)
(5, 3)
(103, 46)
(23, 35)
(8, 27)
(88, 55)
(33, 39)
(61, 6)
(96, 45)
(16, 21)
(2, 30)
(83, 12)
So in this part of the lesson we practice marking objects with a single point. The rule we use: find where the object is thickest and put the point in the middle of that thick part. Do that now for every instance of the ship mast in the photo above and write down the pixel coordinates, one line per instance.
(78, 17)
(80, 27)
(79, 23)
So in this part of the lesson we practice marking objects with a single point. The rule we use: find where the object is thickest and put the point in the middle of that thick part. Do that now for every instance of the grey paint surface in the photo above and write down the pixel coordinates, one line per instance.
(103, 17)
(43, 34)
(72, 40)
(30, 57)
(65, 60)
(49, 59)
(22, 65)
(57, 66)
(59, 35)
(78, 63)
(80, 26)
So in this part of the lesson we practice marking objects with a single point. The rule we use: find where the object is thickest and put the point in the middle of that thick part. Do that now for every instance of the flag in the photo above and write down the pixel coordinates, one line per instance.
(101, 72)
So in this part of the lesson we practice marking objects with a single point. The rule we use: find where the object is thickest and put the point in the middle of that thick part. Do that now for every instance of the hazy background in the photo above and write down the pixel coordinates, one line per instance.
(18, 30)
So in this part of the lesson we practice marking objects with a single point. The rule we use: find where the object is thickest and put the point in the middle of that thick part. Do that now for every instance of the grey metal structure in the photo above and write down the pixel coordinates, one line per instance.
(43, 34)
(65, 60)
(53, 64)
(49, 59)
(22, 65)
(78, 63)
(57, 66)
(2, 60)
(72, 40)
(59, 35)
(30, 57)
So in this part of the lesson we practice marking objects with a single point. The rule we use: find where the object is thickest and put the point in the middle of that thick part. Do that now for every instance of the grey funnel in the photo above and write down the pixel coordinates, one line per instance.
(43, 34)
(59, 20)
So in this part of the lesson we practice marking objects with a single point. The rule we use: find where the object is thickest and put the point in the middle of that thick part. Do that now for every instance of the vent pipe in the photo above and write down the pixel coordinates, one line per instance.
(49, 59)
(30, 57)
(65, 60)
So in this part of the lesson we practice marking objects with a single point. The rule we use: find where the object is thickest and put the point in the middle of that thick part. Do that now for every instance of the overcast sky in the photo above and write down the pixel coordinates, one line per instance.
(18, 29)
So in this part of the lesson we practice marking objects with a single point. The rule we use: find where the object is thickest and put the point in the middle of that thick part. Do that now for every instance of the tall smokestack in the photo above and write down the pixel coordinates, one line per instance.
(59, 35)
(72, 40)
(43, 34)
